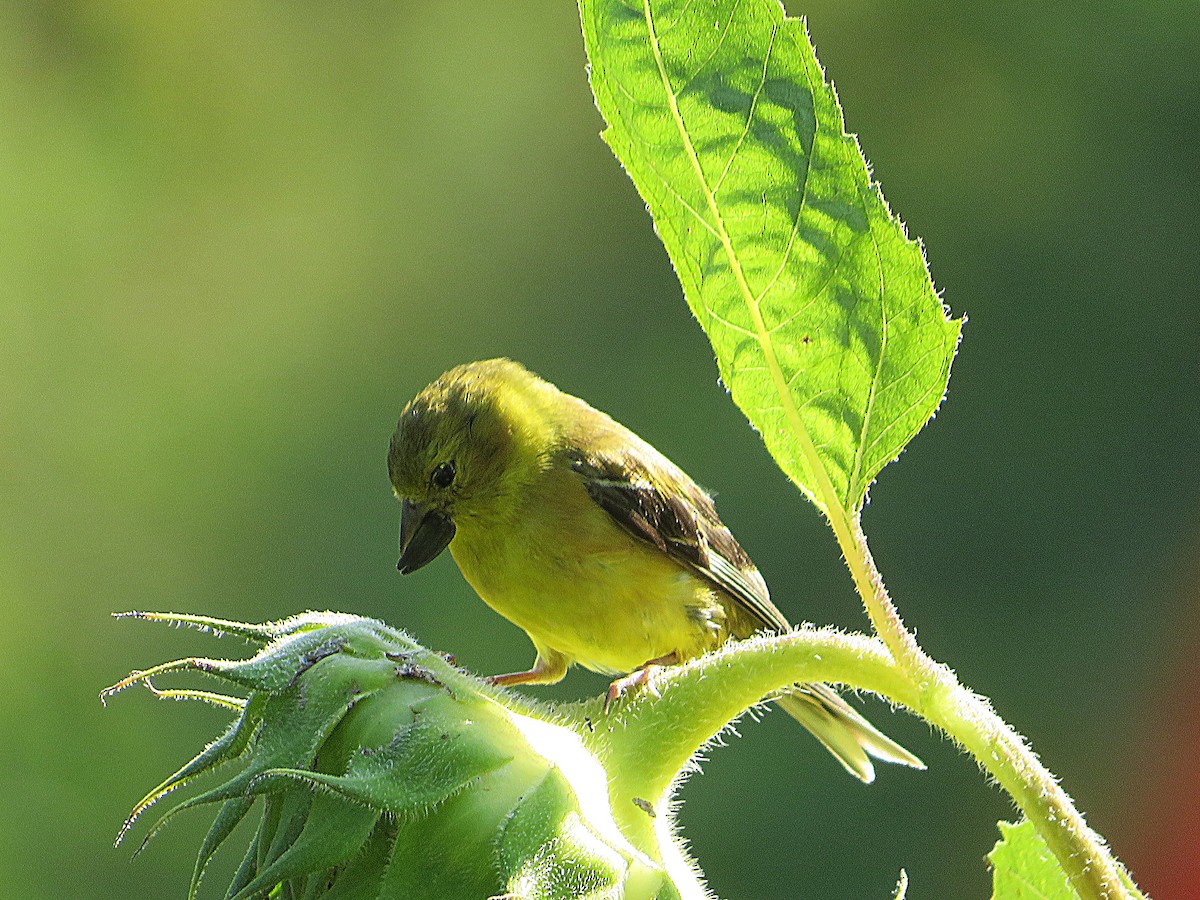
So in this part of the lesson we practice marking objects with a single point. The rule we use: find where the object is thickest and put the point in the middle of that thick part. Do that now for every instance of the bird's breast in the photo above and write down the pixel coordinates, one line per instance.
(586, 589)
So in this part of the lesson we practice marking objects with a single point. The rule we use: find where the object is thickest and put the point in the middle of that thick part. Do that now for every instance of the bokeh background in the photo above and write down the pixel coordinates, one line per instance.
(236, 236)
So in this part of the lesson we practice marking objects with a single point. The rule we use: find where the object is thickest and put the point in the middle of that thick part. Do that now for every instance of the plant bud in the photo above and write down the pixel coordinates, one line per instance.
(382, 771)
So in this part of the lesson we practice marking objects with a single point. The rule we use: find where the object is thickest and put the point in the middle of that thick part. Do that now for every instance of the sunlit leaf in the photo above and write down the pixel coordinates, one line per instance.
(821, 310)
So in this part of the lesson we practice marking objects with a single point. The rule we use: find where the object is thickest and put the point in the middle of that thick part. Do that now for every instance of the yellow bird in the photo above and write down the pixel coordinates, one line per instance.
(575, 529)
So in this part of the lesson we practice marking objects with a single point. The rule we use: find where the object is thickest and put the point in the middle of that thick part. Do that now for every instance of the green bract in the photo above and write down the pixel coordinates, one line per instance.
(825, 323)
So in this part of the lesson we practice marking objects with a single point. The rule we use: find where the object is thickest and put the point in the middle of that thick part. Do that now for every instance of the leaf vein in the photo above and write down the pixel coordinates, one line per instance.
(762, 81)
(788, 249)
(716, 49)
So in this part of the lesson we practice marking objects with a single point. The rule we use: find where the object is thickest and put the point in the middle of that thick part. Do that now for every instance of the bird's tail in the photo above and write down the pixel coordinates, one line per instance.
(844, 732)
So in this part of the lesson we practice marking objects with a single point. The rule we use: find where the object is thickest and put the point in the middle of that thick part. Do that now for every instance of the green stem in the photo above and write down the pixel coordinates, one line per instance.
(971, 722)
(1082, 853)
(963, 715)
(702, 696)
(707, 693)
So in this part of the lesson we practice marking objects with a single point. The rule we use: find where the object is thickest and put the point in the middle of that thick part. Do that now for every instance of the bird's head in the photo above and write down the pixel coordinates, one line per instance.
(463, 448)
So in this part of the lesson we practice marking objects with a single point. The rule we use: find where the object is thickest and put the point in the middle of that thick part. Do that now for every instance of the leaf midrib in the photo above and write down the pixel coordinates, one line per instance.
(762, 335)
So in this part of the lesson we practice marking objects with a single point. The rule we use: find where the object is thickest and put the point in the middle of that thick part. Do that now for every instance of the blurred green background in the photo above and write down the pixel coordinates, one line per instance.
(236, 236)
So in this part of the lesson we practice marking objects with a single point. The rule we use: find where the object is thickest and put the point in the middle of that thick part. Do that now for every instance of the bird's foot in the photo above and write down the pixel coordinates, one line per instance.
(533, 676)
(640, 677)
(548, 669)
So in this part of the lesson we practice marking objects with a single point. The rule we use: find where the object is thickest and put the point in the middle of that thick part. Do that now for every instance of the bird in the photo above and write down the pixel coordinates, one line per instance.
(602, 550)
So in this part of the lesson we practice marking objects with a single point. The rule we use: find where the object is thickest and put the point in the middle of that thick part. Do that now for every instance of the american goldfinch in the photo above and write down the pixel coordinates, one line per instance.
(578, 531)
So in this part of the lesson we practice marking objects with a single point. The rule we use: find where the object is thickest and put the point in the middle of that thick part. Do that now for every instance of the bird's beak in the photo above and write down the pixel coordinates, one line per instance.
(424, 533)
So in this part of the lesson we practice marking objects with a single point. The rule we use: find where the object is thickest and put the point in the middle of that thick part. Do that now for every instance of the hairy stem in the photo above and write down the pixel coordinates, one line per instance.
(709, 691)
(1081, 852)
(971, 722)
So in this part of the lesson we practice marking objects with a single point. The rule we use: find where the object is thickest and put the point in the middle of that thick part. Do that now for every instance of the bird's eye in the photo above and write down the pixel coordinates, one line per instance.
(443, 475)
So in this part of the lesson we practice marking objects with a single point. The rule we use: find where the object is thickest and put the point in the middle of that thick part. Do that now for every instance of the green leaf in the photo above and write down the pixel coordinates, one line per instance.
(1023, 868)
(825, 323)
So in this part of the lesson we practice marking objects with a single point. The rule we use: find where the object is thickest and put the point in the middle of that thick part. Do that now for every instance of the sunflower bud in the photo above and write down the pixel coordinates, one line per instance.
(382, 771)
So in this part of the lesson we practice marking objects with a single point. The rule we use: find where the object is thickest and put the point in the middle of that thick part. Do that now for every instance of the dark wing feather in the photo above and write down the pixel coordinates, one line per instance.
(660, 504)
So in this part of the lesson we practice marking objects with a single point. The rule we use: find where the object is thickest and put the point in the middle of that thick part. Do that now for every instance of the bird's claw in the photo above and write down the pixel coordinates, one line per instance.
(641, 678)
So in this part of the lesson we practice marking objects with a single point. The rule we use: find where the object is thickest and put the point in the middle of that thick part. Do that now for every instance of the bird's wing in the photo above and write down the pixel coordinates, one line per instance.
(655, 501)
